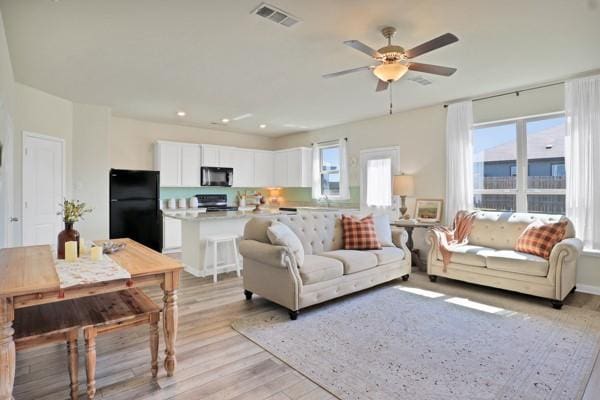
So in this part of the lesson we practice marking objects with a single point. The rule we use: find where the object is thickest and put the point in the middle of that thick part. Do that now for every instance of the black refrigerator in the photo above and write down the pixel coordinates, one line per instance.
(135, 207)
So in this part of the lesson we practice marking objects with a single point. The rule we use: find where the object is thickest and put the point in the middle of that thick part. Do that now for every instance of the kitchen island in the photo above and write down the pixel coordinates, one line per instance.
(196, 226)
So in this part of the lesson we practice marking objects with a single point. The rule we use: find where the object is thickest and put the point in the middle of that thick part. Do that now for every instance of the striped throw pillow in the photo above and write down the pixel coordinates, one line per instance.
(359, 234)
(539, 239)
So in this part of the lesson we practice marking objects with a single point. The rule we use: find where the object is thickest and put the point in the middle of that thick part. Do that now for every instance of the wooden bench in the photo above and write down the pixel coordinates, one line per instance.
(103, 313)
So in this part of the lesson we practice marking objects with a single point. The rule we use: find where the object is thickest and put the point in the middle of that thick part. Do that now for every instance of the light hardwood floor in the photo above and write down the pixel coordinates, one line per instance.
(214, 361)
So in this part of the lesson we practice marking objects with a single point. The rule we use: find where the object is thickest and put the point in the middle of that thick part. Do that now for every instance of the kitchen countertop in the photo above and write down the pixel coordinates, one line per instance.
(190, 215)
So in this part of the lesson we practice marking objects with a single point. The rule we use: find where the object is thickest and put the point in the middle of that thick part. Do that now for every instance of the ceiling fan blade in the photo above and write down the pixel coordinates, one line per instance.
(381, 85)
(431, 69)
(360, 46)
(431, 45)
(347, 71)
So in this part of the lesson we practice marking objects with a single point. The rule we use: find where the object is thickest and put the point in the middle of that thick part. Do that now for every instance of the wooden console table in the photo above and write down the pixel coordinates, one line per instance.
(28, 277)
(410, 226)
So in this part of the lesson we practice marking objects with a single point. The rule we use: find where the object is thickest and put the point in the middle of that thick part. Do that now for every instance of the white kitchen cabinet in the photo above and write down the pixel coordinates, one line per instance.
(227, 157)
(178, 163)
(190, 165)
(280, 168)
(210, 156)
(167, 160)
(264, 173)
(293, 167)
(171, 234)
(243, 168)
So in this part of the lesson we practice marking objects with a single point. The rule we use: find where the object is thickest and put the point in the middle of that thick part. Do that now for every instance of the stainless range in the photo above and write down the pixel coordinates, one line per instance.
(214, 202)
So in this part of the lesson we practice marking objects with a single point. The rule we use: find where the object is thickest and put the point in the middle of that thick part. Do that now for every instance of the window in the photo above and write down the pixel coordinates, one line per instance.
(519, 165)
(379, 178)
(330, 170)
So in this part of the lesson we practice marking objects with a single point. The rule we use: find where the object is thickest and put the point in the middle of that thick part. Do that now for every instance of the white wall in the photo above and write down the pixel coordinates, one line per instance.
(91, 162)
(132, 140)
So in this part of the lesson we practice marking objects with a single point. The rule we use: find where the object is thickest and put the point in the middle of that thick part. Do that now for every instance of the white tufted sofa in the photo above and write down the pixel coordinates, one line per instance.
(490, 259)
(328, 270)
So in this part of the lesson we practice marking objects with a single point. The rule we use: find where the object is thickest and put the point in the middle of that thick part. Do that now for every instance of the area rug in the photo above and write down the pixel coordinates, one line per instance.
(407, 342)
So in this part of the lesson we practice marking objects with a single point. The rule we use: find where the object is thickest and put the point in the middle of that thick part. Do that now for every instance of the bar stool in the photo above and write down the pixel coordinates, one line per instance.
(214, 240)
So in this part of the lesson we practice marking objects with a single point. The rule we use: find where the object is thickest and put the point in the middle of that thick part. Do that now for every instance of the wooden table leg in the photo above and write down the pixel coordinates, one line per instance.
(170, 319)
(7, 349)
(154, 318)
(73, 363)
(90, 360)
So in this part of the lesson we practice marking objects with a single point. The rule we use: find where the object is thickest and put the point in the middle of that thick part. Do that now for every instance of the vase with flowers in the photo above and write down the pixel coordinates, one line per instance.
(71, 211)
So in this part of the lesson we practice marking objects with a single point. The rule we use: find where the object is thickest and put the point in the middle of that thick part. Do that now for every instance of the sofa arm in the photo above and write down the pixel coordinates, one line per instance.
(567, 249)
(432, 253)
(276, 256)
(400, 237)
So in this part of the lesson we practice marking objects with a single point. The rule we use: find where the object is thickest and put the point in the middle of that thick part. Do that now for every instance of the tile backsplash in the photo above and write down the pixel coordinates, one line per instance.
(289, 196)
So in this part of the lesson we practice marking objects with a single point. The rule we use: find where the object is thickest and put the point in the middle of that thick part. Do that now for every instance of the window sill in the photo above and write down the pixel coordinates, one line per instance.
(591, 253)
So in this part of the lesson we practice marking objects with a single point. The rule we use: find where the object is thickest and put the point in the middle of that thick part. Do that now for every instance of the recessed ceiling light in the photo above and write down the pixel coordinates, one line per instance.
(262, 126)
(181, 113)
(225, 120)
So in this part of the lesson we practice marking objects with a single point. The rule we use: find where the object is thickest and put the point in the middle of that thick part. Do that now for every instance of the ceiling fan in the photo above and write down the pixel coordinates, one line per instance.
(394, 61)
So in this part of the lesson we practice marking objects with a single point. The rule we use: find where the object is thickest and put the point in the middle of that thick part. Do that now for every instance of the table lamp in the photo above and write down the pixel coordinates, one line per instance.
(404, 185)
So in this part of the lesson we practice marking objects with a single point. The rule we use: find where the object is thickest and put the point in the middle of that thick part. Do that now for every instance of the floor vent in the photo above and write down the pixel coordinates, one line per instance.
(276, 15)
(420, 80)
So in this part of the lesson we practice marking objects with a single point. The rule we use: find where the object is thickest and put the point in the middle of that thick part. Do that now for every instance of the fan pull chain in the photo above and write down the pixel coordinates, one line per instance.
(391, 105)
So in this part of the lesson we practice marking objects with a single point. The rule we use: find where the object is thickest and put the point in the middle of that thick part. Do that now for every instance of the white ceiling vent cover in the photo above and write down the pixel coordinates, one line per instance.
(276, 15)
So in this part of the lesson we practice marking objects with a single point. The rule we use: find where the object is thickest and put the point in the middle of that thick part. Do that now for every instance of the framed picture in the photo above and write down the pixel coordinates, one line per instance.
(429, 210)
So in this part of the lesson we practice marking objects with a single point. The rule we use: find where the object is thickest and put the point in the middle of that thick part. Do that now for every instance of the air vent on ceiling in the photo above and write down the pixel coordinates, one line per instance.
(420, 80)
(276, 15)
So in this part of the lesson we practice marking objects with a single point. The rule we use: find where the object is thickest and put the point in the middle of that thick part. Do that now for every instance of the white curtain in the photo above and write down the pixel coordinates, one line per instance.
(344, 180)
(582, 158)
(316, 172)
(459, 158)
(379, 186)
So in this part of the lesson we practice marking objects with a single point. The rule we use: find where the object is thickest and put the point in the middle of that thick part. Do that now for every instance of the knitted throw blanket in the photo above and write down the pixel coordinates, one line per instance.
(463, 222)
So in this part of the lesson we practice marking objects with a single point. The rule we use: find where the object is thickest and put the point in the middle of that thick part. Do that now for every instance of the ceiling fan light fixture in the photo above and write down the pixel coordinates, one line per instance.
(390, 72)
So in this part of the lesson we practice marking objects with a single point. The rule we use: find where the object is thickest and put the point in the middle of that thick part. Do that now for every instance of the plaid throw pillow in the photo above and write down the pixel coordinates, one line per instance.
(359, 234)
(539, 239)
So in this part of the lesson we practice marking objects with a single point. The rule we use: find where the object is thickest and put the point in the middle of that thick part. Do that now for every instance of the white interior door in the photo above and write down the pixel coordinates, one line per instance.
(7, 218)
(43, 188)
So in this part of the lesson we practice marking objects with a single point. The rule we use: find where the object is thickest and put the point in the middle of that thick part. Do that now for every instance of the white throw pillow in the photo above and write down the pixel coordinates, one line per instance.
(383, 230)
(281, 235)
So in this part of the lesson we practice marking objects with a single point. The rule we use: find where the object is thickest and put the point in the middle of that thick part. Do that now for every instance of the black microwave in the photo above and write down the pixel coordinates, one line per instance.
(216, 176)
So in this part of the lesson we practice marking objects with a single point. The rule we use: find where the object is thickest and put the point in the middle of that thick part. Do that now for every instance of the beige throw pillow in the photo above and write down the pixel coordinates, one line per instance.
(281, 235)
(383, 230)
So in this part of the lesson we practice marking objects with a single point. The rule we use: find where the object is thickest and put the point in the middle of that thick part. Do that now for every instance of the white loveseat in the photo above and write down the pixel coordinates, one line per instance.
(328, 271)
(489, 257)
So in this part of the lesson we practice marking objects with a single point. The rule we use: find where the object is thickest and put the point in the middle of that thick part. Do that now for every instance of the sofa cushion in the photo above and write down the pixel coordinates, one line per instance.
(383, 230)
(359, 234)
(388, 255)
(319, 269)
(539, 239)
(519, 263)
(281, 235)
(468, 254)
(353, 260)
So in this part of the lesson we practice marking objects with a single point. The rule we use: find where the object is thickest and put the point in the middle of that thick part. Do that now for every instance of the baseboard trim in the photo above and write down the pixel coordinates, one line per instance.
(588, 289)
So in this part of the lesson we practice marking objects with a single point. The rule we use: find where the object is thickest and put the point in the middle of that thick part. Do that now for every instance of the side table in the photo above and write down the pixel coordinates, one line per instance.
(410, 226)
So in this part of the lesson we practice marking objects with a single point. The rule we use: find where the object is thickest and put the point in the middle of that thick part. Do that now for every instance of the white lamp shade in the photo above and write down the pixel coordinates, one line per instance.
(390, 72)
(404, 185)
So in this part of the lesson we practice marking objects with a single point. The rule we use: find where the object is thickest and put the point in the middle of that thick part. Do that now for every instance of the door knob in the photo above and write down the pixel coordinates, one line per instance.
(13, 219)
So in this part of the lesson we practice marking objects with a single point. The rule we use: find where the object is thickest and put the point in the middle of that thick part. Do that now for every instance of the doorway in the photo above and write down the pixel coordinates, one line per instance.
(43, 188)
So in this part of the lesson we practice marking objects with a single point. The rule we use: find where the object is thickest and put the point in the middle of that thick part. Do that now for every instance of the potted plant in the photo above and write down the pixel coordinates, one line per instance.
(71, 211)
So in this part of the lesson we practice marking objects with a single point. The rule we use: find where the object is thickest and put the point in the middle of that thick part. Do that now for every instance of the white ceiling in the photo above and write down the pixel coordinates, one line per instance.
(149, 58)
